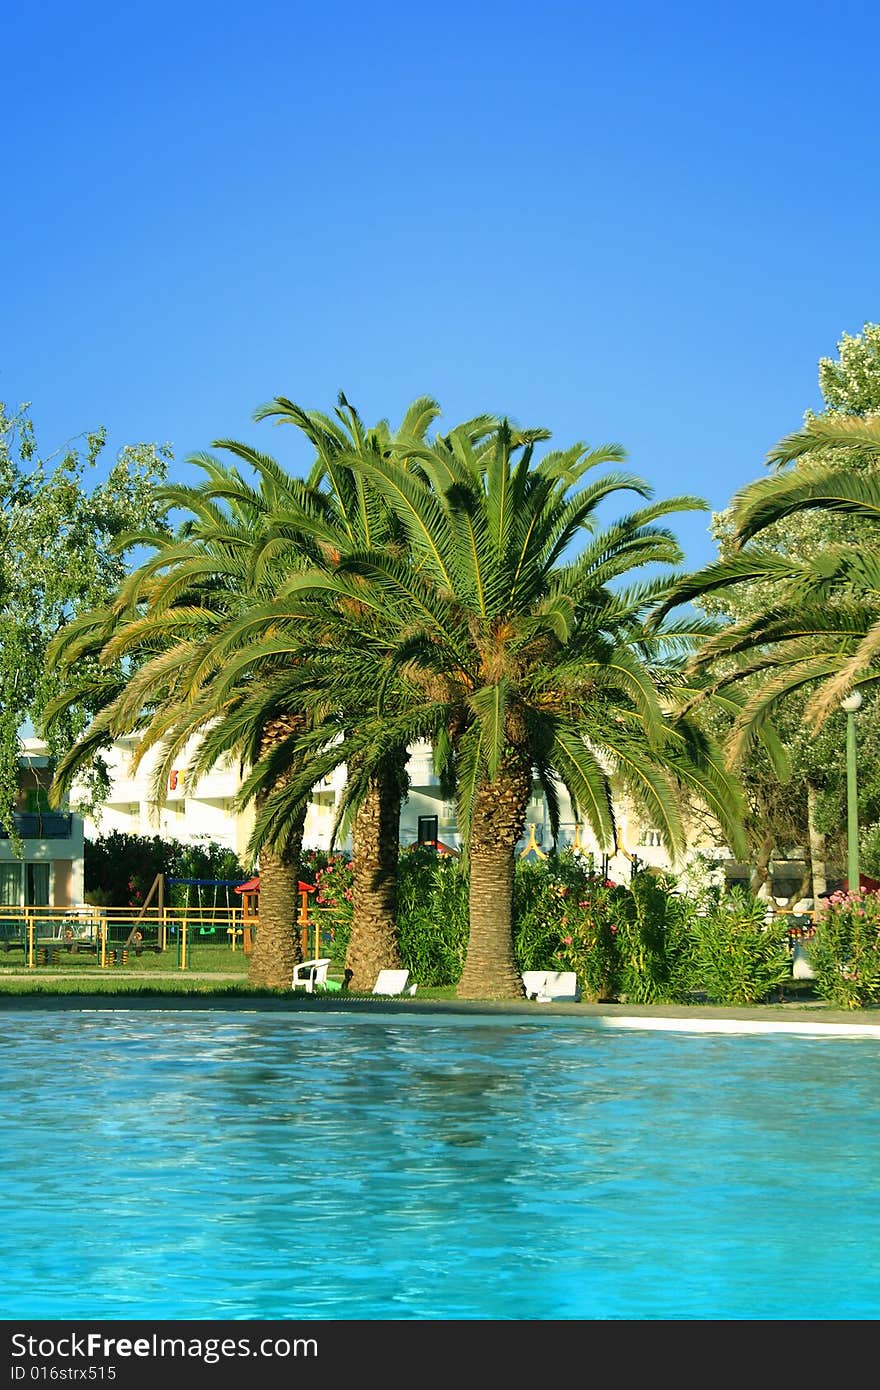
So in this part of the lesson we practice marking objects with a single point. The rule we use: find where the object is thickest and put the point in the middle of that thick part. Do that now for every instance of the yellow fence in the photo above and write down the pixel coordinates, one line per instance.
(109, 936)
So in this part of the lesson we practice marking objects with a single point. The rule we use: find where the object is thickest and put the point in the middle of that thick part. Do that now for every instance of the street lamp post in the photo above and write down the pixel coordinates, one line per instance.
(849, 705)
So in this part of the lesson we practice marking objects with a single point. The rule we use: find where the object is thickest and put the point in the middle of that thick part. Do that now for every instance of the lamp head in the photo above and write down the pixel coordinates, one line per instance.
(851, 702)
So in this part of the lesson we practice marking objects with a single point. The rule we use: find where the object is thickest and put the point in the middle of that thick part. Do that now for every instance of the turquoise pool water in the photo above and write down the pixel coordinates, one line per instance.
(193, 1165)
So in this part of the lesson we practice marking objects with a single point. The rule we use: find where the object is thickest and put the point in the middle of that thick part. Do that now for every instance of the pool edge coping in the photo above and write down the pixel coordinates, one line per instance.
(816, 1020)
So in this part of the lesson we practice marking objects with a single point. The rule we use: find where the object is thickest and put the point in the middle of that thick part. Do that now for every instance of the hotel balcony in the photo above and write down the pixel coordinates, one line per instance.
(420, 769)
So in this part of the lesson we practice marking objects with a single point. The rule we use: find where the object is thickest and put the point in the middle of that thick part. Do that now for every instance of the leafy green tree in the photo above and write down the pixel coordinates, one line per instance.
(120, 869)
(60, 555)
(850, 382)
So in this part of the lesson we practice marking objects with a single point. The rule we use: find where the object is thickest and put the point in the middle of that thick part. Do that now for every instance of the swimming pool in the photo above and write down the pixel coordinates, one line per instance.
(231, 1165)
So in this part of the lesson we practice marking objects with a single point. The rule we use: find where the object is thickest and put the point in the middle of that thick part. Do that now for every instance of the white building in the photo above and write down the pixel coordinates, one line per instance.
(204, 810)
(189, 812)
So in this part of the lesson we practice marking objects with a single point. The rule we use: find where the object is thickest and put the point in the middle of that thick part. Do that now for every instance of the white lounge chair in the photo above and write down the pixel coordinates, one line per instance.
(310, 974)
(558, 985)
(390, 982)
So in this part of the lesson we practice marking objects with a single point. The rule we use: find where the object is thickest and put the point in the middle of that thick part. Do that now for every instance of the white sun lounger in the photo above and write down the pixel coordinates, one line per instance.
(544, 985)
(391, 982)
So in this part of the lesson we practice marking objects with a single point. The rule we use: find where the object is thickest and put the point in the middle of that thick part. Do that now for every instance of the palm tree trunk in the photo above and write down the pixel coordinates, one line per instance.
(373, 944)
(277, 946)
(490, 967)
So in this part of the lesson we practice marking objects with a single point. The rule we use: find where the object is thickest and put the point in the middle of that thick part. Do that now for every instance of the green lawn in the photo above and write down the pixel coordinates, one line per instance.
(219, 959)
(214, 969)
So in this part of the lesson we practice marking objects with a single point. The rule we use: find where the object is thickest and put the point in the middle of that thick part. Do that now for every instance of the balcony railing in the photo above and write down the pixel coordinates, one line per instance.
(41, 825)
(420, 769)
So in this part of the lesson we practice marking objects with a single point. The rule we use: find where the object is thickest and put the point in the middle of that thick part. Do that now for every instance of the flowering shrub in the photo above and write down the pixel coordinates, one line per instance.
(589, 945)
(563, 921)
(845, 951)
(333, 879)
(646, 943)
(643, 942)
(334, 883)
(620, 940)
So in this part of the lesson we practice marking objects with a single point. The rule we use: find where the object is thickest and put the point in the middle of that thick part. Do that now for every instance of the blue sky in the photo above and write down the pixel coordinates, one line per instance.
(642, 222)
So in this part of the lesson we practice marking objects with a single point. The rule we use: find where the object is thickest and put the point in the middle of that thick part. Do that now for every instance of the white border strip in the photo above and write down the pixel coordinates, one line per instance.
(736, 1025)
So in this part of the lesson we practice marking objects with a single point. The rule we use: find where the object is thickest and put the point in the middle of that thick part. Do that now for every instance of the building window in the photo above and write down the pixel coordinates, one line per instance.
(24, 884)
(428, 830)
(37, 885)
(10, 885)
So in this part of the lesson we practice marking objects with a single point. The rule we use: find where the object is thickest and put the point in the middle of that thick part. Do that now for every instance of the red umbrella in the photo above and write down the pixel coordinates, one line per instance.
(868, 885)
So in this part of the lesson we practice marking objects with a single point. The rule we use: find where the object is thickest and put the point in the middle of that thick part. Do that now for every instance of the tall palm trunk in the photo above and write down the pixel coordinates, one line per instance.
(373, 944)
(490, 968)
(277, 946)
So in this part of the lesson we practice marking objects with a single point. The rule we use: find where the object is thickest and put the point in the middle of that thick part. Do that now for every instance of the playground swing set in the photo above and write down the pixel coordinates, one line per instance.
(207, 913)
(212, 909)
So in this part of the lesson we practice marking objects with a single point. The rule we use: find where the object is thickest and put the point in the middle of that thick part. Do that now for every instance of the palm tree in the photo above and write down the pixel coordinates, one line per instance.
(165, 629)
(517, 662)
(821, 631)
(341, 514)
(323, 664)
